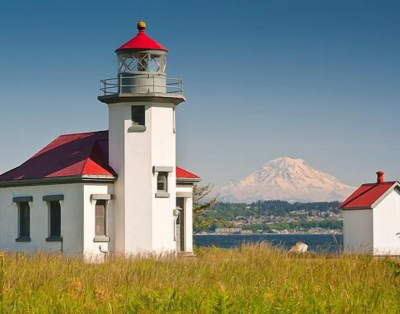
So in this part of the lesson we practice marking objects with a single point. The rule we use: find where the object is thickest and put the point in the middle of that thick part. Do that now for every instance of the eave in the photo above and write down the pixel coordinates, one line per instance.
(356, 208)
(78, 179)
(59, 180)
(175, 99)
(187, 180)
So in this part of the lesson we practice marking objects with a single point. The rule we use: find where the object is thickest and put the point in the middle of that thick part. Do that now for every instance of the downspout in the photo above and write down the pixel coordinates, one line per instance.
(104, 252)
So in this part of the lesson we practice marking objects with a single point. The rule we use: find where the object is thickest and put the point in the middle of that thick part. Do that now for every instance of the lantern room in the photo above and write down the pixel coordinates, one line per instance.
(141, 68)
(141, 54)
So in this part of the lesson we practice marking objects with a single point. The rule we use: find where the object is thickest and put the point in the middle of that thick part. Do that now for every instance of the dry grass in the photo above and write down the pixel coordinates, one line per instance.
(252, 279)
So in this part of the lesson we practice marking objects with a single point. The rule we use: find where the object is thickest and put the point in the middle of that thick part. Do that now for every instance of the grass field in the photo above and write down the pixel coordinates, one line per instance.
(252, 279)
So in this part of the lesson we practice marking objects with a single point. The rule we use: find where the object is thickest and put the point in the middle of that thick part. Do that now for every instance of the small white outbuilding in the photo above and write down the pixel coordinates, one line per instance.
(371, 218)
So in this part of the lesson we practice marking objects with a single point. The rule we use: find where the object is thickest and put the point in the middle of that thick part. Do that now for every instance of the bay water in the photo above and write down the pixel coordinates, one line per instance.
(316, 242)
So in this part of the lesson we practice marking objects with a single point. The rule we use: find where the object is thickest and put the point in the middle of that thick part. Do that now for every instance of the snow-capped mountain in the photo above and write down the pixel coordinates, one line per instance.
(286, 179)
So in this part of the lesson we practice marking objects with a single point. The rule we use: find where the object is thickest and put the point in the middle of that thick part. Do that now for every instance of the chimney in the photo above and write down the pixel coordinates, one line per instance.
(380, 178)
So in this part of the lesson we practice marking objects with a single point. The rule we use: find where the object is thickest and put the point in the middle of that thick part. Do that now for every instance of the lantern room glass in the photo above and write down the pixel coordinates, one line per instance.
(141, 62)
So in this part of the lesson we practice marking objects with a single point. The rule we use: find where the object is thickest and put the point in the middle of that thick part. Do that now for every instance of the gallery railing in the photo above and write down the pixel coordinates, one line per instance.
(140, 84)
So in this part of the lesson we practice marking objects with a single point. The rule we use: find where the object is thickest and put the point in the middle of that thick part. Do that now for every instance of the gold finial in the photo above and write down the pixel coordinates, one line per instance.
(141, 25)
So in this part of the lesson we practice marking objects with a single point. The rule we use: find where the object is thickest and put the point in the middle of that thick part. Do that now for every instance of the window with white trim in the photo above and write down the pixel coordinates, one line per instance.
(24, 217)
(138, 115)
(55, 219)
(162, 182)
(100, 219)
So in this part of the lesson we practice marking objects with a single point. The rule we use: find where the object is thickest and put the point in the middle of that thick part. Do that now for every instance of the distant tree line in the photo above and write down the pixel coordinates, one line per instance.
(211, 214)
(229, 211)
(302, 225)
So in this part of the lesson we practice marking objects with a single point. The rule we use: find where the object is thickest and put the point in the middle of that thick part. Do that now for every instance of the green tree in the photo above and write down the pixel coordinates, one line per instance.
(202, 206)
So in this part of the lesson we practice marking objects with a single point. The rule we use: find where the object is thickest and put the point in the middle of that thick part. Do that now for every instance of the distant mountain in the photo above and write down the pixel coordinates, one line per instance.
(285, 179)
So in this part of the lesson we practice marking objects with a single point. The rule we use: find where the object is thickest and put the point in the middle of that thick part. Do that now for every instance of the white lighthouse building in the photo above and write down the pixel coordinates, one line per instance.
(116, 191)
(371, 218)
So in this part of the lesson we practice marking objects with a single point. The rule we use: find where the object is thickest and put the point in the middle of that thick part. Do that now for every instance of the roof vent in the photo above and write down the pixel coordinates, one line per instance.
(380, 178)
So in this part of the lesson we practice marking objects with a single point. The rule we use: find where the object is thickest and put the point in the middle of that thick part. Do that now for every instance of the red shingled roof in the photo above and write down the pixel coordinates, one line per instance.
(366, 195)
(72, 155)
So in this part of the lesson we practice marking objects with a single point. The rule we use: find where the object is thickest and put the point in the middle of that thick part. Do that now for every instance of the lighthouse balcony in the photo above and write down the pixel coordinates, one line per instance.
(128, 84)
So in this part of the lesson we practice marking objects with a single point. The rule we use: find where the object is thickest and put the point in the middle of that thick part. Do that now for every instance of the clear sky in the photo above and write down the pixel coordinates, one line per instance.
(312, 79)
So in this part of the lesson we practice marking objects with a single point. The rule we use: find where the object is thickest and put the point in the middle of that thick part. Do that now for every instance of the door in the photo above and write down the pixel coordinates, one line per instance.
(180, 225)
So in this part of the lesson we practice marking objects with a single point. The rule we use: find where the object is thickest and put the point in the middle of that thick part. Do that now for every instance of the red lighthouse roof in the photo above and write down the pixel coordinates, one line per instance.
(141, 41)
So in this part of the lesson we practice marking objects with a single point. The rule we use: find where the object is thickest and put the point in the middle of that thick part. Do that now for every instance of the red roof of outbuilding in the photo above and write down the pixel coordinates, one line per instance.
(72, 155)
(367, 195)
(183, 174)
(141, 42)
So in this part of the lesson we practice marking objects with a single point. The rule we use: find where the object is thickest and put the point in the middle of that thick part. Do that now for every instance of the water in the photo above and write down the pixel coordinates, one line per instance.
(315, 242)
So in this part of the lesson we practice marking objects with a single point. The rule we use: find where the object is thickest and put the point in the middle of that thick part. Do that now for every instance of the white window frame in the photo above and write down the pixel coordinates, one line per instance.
(51, 237)
(158, 170)
(104, 237)
(23, 237)
(18, 200)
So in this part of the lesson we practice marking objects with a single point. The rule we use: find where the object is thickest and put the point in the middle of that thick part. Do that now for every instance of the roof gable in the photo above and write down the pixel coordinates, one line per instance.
(369, 195)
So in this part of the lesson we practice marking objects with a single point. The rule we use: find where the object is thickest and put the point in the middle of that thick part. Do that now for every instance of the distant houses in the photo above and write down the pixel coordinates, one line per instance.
(232, 231)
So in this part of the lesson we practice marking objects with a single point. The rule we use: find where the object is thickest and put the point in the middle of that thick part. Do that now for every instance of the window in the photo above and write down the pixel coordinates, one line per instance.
(142, 64)
(100, 219)
(24, 220)
(162, 182)
(55, 219)
(138, 115)
(156, 63)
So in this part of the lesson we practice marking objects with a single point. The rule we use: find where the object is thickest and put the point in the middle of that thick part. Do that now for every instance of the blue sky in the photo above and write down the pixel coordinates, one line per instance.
(316, 79)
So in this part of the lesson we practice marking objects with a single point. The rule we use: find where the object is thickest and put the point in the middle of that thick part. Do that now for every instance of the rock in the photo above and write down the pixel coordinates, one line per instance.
(299, 247)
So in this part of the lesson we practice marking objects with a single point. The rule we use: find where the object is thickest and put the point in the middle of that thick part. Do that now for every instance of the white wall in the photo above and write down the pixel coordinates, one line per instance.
(358, 231)
(163, 154)
(130, 157)
(91, 248)
(183, 191)
(71, 218)
(387, 225)
(118, 125)
(144, 221)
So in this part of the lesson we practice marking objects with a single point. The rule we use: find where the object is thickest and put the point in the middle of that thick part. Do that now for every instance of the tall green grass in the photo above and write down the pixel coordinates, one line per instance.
(252, 279)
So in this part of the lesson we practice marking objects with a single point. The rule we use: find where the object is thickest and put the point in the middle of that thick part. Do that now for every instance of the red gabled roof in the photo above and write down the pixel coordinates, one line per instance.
(141, 42)
(67, 156)
(72, 155)
(366, 195)
(183, 174)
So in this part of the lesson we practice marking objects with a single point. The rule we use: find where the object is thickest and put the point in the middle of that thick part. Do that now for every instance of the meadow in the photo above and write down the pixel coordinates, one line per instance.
(251, 279)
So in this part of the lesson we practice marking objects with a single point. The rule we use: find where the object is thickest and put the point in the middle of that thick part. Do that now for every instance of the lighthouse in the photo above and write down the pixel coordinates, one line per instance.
(115, 191)
(142, 101)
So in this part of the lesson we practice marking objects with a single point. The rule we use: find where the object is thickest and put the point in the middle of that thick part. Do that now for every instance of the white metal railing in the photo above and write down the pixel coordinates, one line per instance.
(150, 84)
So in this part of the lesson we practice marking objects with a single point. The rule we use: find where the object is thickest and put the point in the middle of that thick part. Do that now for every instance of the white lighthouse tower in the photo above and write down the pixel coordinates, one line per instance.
(142, 145)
